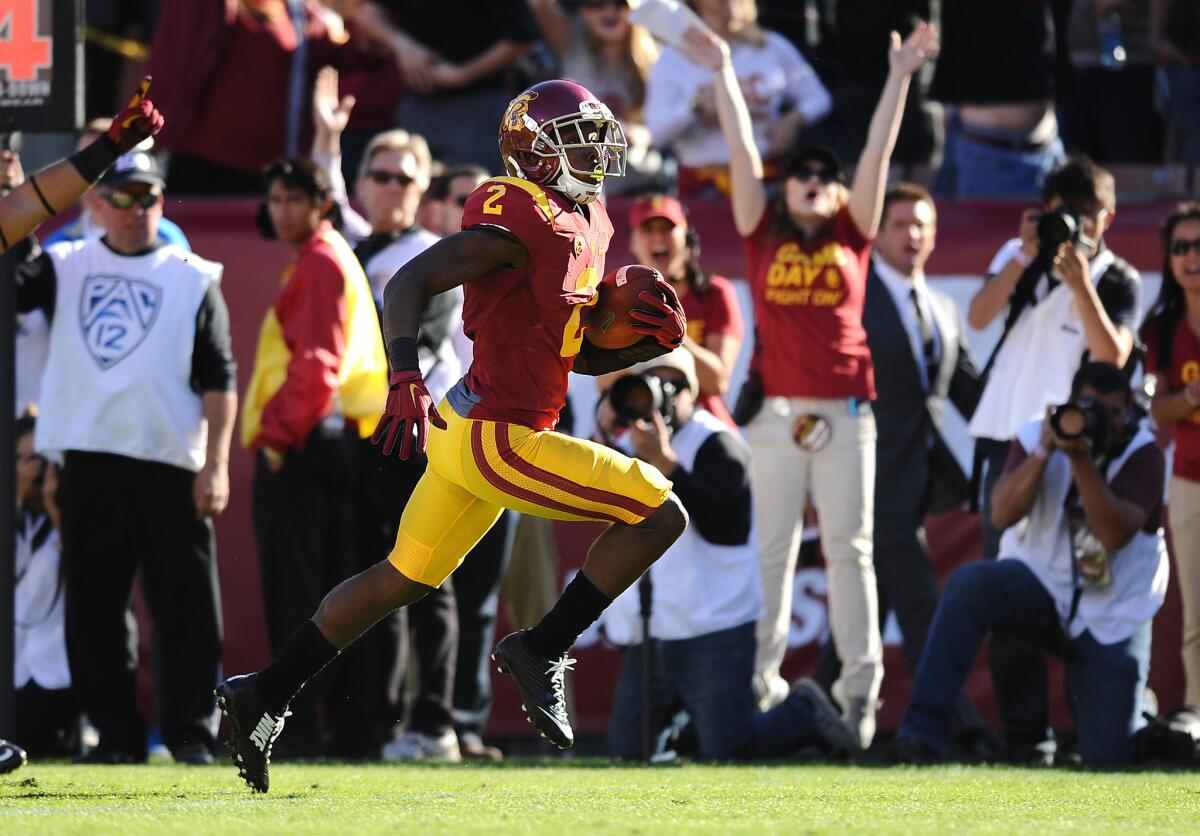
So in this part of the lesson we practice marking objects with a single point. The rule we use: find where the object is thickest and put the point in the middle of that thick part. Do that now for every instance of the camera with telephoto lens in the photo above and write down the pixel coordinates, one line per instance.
(1058, 226)
(639, 396)
(1086, 418)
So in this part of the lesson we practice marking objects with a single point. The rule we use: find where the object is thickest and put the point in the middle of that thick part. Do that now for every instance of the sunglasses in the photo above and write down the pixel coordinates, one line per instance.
(382, 178)
(600, 4)
(1181, 247)
(125, 200)
(803, 173)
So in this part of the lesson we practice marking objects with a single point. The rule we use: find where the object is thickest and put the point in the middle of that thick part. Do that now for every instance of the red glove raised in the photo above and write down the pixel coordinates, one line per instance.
(666, 323)
(409, 407)
(137, 121)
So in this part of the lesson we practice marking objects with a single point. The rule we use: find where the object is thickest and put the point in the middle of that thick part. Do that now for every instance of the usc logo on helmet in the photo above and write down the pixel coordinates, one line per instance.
(518, 109)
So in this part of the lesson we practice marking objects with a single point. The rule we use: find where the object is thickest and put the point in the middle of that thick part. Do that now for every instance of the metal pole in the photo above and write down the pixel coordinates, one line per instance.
(8, 483)
(645, 594)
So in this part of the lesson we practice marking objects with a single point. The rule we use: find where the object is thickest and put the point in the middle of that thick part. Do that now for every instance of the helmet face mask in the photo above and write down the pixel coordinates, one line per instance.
(558, 135)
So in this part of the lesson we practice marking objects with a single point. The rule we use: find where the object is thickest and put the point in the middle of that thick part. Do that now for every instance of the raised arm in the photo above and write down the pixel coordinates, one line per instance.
(554, 23)
(53, 189)
(745, 163)
(870, 177)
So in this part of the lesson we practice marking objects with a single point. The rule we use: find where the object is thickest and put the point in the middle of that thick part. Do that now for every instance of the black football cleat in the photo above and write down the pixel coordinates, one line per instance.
(12, 757)
(540, 682)
(253, 729)
(834, 734)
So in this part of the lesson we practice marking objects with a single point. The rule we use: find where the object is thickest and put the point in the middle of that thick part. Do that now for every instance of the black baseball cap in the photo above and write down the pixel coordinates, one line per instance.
(805, 152)
(134, 167)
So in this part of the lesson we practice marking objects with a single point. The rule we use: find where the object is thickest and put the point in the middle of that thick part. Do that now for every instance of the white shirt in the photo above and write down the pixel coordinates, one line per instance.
(39, 637)
(1038, 358)
(697, 587)
(900, 287)
(118, 376)
(441, 368)
(1042, 542)
(774, 78)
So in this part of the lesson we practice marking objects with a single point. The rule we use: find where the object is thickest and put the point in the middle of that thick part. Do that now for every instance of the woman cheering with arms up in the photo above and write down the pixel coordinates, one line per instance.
(807, 251)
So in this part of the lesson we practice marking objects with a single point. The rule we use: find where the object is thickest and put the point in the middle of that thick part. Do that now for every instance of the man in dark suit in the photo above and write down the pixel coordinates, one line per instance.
(921, 360)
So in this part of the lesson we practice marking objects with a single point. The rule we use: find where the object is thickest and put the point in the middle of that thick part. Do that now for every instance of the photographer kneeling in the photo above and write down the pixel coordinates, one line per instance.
(705, 594)
(1082, 571)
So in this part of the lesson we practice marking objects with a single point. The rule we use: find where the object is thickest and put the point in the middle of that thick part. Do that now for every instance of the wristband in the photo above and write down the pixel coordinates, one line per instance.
(1040, 452)
(1022, 258)
(402, 354)
(91, 162)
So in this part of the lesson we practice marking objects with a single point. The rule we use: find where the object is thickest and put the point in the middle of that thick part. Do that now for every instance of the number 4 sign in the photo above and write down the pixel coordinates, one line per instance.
(41, 65)
(23, 51)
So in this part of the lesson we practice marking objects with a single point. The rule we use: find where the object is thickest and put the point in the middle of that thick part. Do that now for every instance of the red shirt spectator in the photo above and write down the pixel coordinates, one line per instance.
(808, 299)
(231, 64)
(1185, 368)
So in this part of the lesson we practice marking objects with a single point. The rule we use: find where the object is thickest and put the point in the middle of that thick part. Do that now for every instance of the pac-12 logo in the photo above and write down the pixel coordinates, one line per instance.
(116, 314)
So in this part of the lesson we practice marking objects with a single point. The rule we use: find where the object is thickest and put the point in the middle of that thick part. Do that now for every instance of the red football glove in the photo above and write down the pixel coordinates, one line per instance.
(409, 406)
(666, 323)
(137, 121)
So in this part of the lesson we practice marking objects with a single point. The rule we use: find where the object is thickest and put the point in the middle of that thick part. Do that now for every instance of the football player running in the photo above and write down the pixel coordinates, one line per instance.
(530, 256)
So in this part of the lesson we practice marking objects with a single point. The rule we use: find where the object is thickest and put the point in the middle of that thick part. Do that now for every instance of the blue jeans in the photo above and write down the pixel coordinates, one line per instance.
(1105, 682)
(1183, 109)
(972, 169)
(709, 676)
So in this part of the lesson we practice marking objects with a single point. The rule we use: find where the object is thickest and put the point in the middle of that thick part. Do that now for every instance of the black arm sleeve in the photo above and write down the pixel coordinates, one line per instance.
(1120, 292)
(213, 366)
(36, 283)
(596, 361)
(716, 493)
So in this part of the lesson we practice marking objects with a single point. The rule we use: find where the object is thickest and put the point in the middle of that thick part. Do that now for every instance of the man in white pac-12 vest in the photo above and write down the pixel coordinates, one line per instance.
(138, 403)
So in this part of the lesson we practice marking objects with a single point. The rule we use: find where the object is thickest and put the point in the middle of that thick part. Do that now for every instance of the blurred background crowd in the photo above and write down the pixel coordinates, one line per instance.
(363, 126)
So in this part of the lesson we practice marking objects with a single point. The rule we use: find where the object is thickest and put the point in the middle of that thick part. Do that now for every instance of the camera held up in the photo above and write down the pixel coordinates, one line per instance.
(1057, 227)
(639, 396)
(1086, 418)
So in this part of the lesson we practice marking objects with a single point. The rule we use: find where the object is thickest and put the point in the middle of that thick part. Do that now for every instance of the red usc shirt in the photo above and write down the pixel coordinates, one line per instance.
(1185, 367)
(808, 305)
(526, 322)
(717, 312)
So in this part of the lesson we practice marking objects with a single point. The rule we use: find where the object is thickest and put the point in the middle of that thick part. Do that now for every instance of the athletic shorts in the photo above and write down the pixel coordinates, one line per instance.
(478, 468)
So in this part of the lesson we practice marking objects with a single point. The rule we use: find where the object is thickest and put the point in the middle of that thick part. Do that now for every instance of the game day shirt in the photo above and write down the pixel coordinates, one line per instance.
(1185, 367)
(808, 304)
(527, 322)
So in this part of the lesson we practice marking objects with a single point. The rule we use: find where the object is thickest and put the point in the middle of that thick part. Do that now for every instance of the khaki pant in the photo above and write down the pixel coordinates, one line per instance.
(530, 585)
(1184, 500)
(841, 477)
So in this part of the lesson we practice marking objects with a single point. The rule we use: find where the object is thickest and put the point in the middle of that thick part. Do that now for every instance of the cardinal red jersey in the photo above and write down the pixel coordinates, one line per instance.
(527, 322)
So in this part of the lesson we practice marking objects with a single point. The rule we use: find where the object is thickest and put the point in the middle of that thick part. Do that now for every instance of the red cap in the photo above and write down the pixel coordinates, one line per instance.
(658, 206)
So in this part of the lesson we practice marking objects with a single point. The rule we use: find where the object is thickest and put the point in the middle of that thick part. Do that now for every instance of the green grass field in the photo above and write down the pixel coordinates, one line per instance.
(588, 797)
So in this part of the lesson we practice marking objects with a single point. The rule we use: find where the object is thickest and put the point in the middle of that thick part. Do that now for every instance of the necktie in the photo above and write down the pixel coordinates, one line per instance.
(928, 343)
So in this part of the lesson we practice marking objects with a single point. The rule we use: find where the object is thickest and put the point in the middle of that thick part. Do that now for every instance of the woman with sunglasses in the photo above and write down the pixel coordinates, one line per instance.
(1171, 333)
(807, 252)
(784, 93)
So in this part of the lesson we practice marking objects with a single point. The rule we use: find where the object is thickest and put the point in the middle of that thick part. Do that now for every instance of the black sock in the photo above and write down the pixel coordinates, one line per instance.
(306, 653)
(578, 608)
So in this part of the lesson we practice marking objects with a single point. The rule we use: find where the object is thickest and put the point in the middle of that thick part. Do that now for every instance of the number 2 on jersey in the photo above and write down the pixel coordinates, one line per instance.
(573, 331)
(489, 206)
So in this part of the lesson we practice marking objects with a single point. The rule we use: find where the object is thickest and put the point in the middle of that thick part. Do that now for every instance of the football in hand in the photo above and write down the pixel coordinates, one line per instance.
(609, 325)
